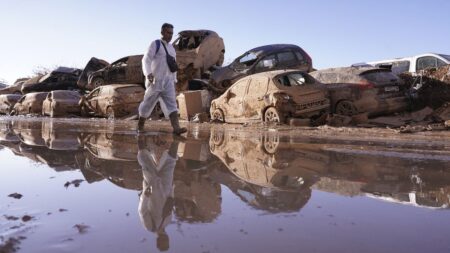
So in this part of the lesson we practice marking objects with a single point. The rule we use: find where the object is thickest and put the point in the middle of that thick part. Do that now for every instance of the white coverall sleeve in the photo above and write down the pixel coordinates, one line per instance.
(147, 59)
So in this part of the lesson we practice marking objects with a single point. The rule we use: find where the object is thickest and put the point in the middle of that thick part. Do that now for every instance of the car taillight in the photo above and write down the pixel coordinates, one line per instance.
(365, 85)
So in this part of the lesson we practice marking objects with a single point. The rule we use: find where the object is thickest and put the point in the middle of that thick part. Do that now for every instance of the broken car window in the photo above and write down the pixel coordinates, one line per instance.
(399, 67)
(295, 79)
(248, 59)
(426, 62)
(266, 63)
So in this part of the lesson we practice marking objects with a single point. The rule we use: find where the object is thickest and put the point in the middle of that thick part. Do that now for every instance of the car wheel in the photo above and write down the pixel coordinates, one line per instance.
(97, 82)
(12, 113)
(218, 115)
(217, 138)
(110, 112)
(271, 143)
(273, 115)
(346, 108)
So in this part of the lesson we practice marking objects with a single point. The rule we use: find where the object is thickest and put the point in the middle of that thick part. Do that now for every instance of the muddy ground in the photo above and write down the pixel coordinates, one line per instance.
(93, 185)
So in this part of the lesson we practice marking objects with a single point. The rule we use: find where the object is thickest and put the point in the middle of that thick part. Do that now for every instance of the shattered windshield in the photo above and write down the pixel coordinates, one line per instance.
(447, 57)
(246, 60)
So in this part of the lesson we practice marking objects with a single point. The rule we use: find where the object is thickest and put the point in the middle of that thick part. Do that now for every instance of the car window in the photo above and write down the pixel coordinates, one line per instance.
(239, 88)
(300, 57)
(266, 63)
(287, 58)
(426, 62)
(380, 76)
(258, 86)
(399, 67)
(248, 59)
(295, 79)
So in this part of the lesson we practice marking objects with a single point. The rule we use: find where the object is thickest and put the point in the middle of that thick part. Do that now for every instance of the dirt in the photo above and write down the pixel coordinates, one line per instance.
(15, 195)
(11, 244)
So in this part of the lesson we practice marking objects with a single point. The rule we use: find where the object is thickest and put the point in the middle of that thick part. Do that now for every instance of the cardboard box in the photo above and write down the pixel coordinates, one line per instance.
(197, 151)
(189, 103)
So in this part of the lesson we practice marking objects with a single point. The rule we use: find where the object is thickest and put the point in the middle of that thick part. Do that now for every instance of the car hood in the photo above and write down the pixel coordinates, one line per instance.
(225, 73)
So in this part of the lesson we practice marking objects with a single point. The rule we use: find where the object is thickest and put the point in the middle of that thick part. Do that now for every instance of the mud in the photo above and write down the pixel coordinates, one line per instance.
(221, 188)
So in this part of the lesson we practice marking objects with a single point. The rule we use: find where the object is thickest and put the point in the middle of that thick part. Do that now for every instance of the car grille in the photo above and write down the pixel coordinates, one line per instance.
(311, 104)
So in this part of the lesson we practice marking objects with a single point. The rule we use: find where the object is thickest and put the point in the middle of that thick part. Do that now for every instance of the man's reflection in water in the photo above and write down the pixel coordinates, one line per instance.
(157, 159)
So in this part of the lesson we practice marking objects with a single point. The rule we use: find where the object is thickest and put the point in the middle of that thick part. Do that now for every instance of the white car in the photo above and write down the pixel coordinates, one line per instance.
(414, 64)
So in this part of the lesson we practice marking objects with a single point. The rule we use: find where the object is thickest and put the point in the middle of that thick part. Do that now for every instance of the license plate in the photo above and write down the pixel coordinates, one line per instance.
(391, 88)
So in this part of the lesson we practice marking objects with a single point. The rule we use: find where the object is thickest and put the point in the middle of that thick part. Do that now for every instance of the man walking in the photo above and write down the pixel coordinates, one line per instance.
(160, 80)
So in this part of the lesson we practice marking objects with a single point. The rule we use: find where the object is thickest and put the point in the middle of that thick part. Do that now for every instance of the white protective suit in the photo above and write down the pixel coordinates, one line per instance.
(163, 87)
(154, 205)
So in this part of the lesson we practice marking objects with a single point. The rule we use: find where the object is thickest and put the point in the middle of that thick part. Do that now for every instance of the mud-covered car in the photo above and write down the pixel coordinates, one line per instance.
(261, 59)
(93, 65)
(271, 96)
(123, 71)
(62, 78)
(30, 103)
(355, 90)
(7, 102)
(61, 103)
(15, 88)
(197, 52)
(2, 85)
(116, 100)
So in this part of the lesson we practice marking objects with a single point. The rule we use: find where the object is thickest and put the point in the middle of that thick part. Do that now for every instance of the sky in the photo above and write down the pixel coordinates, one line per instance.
(48, 33)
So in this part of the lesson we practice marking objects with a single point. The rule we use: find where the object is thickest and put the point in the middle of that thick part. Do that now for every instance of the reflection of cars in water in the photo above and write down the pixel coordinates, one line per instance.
(355, 90)
(125, 70)
(30, 103)
(7, 102)
(112, 101)
(112, 146)
(60, 136)
(261, 59)
(61, 103)
(197, 52)
(271, 96)
(61, 78)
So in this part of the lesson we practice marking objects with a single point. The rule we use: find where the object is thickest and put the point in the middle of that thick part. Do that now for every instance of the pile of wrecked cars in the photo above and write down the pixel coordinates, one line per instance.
(271, 84)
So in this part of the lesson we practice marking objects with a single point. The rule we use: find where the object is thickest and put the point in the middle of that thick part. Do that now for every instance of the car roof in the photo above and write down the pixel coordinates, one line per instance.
(268, 49)
(197, 32)
(134, 58)
(65, 70)
(273, 73)
(351, 70)
(408, 58)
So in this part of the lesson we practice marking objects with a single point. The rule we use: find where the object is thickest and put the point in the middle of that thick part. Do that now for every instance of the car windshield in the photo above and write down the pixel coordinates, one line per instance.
(246, 60)
(447, 57)
(380, 76)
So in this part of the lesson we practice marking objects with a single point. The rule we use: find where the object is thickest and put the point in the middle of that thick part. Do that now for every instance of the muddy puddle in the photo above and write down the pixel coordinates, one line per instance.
(94, 186)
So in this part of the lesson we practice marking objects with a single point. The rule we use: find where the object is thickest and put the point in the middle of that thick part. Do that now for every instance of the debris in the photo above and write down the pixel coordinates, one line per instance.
(15, 195)
(200, 117)
(62, 210)
(338, 120)
(81, 228)
(442, 113)
(11, 244)
(189, 103)
(26, 218)
(299, 122)
(75, 183)
(11, 217)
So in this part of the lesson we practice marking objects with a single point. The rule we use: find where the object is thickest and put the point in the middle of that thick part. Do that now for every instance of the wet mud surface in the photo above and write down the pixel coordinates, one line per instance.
(93, 185)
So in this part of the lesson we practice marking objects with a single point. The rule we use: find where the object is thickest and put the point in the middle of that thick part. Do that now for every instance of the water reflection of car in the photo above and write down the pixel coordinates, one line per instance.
(111, 146)
(60, 136)
(355, 90)
(112, 101)
(197, 52)
(30, 103)
(62, 78)
(125, 70)
(7, 102)
(61, 103)
(260, 59)
(271, 96)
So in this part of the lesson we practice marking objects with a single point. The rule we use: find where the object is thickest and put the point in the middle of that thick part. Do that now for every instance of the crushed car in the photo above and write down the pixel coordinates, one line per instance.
(260, 59)
(15, 88)
(272, 96)
(357, 90)
(414, 64)
(62, 78)
(30, 103)
(61, 103)
(126, 70)
(111, 101)
(93, 65)
(198, 51)
(7, 102)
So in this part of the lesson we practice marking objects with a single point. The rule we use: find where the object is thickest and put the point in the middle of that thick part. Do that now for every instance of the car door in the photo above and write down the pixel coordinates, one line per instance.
(235, 100)
(254, 100)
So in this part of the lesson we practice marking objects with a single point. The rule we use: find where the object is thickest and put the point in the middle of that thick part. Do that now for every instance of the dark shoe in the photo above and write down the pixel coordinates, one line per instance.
(176, 124)
(141, 123)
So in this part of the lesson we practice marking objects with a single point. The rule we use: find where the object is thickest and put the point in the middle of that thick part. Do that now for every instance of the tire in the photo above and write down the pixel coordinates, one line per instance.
(271, 143)
(110, 112)
(97, 82)
(218, 115)
(273, 115)
(346, 108)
